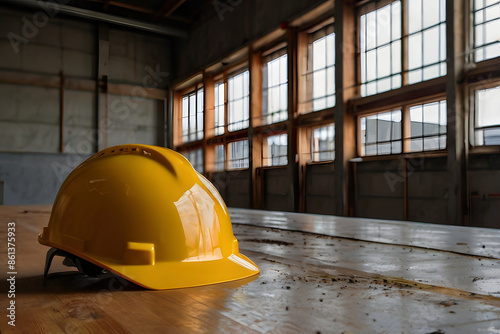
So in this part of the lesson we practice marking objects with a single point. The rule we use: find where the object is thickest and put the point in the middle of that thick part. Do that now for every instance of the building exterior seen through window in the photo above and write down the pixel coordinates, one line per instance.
(238, 154)
(381, 133)
(323, 143)
(192, 116)
(428, 127)
(275, 87)
(487, 117)
(274, 152)
(238, 101)
(486, 18)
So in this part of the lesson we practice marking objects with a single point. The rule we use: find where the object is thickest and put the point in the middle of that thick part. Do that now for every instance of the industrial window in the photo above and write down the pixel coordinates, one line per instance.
(238, 101)
(381, 133)
(323, 143)
(274, 151)
(219, 108)
(321, 68)
(219, 157)
(426, 39)
(380, 38)
(192, 116)
(486, 20)
(195, 157)
(275, 87)
(381, 45)
(428, 126)
(487, 117)
(238, 154)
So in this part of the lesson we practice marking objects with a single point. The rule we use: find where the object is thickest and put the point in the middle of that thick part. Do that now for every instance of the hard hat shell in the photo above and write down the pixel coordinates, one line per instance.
(144, 213)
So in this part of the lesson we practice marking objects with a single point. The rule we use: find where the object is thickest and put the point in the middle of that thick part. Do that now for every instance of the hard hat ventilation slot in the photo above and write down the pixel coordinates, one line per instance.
(122, 150)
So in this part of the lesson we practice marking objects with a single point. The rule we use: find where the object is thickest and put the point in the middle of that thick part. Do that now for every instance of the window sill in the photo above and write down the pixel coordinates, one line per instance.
(413, 155)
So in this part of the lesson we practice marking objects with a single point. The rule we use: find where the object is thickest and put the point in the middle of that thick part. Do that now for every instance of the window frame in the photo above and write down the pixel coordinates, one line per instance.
(405, 127)
(306, 40)
(472, 26)
(311, 144)
(473, 89)
(404, 70)
(407, 140)
(267, 57)
(188, 93)
(265, 147)
(229, 159)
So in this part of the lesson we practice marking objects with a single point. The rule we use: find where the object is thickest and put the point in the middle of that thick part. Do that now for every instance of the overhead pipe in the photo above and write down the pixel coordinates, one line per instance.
(101, 17)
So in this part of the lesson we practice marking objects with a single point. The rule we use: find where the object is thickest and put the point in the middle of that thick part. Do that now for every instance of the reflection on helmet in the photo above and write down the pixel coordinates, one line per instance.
(145, 214)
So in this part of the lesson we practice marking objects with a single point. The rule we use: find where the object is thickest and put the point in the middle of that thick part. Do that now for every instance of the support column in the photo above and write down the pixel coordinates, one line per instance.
(101, 139)
(170, 120)
(457, 138)
(345, 81)
(292, 167)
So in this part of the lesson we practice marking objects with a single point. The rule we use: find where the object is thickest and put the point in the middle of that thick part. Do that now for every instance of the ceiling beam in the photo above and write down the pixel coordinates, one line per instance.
(168, 8)
(102, 17)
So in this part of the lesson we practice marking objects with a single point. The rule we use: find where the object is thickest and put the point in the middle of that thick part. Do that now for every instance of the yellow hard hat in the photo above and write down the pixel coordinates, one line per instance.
(144, 213)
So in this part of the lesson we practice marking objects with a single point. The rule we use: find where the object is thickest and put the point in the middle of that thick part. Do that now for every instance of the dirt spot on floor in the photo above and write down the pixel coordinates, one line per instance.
(269, 241)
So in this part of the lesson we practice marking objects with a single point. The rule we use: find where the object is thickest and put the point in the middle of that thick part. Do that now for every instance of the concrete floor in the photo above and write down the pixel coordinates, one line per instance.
(381, 276)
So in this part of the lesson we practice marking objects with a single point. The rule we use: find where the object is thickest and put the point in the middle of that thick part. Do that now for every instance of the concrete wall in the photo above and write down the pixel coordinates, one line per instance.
(319, 190)
(484, 185)
(234, 187)
(380, 189)
(229, 29)
(427, 190)
(34, 178)
(277, 189)
(30, 117)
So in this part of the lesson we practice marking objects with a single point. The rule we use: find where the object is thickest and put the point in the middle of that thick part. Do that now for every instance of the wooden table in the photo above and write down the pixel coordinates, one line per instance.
(318, 274)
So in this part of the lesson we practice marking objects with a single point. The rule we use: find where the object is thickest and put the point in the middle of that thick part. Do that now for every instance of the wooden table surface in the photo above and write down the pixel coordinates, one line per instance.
(317, 276)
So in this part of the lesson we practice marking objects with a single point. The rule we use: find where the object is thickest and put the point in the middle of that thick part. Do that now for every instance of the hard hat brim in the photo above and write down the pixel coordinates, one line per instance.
(173, 275)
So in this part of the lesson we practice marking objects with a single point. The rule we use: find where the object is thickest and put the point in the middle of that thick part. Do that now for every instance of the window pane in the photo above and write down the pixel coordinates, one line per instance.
(383, 25)
(486, 29)
(428, 126)
(380, 48)
(192, 116)
(276, 153)
(238, 101)
(381, 133)
(431, 17)
(219, 108)
(426, 40)
(431, 46)
(319, 54)
(414, 16)
(323, 143)
(487, 104)
(274, 94)
(238, 154)
(219, 157)
(384, 61)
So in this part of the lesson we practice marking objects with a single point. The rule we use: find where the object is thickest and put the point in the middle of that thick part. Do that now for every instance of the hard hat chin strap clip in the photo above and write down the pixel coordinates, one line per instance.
(71, 260)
